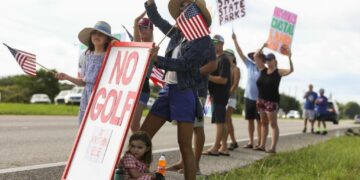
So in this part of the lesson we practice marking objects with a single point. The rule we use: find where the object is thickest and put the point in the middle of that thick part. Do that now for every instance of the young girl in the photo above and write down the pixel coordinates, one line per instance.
(138, 158)
(97, 39)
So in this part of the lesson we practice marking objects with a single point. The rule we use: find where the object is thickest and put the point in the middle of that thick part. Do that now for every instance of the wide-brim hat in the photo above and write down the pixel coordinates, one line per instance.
(101, 26)
(174, 9)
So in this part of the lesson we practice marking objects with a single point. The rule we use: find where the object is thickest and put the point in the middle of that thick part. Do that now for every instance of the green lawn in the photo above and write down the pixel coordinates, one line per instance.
(338, 158)
(41, 109)
(37, 109)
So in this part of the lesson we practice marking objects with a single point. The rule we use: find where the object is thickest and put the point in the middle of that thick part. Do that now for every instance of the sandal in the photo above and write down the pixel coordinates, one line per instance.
(270, 151)
(233, 146)
(248, 146)
(259, 149)
(224, 154)
(209, 153)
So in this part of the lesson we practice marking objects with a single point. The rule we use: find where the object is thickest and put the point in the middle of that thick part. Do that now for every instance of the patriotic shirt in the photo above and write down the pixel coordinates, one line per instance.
(130, 162)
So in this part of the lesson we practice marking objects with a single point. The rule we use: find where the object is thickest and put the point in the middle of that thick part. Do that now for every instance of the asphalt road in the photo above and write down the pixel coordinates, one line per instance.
(35, 140)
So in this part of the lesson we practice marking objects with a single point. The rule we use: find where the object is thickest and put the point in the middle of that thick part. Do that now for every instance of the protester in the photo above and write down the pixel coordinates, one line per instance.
(321, 112)
(137, 159)
(208, 66)
(309, 106)
(251, 95)
(143, 32)
(219, 88)
(178, 99)
(231, 106)
(97, 39)
(269, 97)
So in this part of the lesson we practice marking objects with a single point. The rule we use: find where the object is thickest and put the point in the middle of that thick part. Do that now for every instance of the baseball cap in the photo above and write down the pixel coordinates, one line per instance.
(270, 56)
(229, 51)
(218, 38)
(145, 22)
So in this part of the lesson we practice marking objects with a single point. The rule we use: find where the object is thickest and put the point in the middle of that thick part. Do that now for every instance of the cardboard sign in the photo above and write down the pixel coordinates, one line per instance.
(282, 31)
(230, 10)
(107, 118)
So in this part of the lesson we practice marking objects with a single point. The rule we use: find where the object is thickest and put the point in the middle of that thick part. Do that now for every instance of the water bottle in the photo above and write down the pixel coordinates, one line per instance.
(161, 168)
(119, 174)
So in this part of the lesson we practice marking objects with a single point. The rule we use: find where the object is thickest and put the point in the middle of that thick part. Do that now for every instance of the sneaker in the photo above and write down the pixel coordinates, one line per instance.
(317, 132)
(304, 130)
(233, 146)
(324, 133)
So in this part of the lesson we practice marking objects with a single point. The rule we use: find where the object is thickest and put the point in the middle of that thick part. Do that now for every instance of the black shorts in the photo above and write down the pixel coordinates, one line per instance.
(251, 112)
(321, 117)
(218, 113)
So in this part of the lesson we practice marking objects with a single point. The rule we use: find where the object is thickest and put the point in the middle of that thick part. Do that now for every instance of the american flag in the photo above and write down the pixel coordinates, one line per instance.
(27, 61)
(192, 23)
(157, 77)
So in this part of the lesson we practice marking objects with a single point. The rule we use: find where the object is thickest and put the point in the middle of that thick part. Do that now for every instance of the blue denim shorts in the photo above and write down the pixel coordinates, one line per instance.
(175, 104)
(144, 98)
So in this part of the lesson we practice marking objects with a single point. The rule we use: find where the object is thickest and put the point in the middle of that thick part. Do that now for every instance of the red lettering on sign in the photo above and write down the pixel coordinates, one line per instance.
(127, 107)
(121, 67)
(97, 107)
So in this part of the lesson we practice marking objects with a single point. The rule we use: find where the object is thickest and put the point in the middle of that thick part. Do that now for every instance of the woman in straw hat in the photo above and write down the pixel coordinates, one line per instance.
(97, 39)
(143, 32)
(178, 99)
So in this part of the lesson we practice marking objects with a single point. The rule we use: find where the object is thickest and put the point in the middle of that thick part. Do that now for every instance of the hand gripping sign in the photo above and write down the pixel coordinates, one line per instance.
(282, 31)
(101, 136)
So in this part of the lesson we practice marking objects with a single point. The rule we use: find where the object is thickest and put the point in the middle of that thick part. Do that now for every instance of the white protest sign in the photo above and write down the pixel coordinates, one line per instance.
(230, 10)
(107, 118)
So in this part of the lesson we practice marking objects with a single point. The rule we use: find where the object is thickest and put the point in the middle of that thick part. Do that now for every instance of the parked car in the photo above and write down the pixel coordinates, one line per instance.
(333, 112)
(74, 97)
(60, 98)
(40, 98)
(357, 118)
(293, 114)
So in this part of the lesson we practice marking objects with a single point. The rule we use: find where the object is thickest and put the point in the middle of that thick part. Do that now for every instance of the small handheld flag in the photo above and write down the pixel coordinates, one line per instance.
(27, 61)
(157, 77)
(192, 24)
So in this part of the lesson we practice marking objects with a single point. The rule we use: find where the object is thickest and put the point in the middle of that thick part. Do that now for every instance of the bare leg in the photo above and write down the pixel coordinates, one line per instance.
(152, 124)
(275, 130)
(264, 129)
(219, 134)
(251, 128)
(199, 141)
(135, 122)
(258, 126)
(223, 147)
(185, 133)
(229, 124)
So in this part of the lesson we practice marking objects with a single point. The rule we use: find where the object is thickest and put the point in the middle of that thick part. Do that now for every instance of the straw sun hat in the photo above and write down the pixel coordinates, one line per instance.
(101, 26)
(174, 9)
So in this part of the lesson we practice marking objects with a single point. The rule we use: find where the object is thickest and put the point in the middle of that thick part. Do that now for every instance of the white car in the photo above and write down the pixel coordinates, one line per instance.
(293, 114)
(60, 98)
(357, 119)
(40, 98)
(74, 97)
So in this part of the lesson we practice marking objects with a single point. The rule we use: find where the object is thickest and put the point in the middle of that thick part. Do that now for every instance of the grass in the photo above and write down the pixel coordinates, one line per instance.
(337, 158)
(41, 109)
(37, 109)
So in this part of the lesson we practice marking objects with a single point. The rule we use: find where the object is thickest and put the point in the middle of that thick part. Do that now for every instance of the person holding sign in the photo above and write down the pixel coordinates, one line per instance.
(97, 39)
(143, 32)
(269, 97)
(251, 95)
(178, 99)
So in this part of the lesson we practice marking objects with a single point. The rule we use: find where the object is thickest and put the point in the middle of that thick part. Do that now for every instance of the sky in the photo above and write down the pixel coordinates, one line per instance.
(325, 46)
